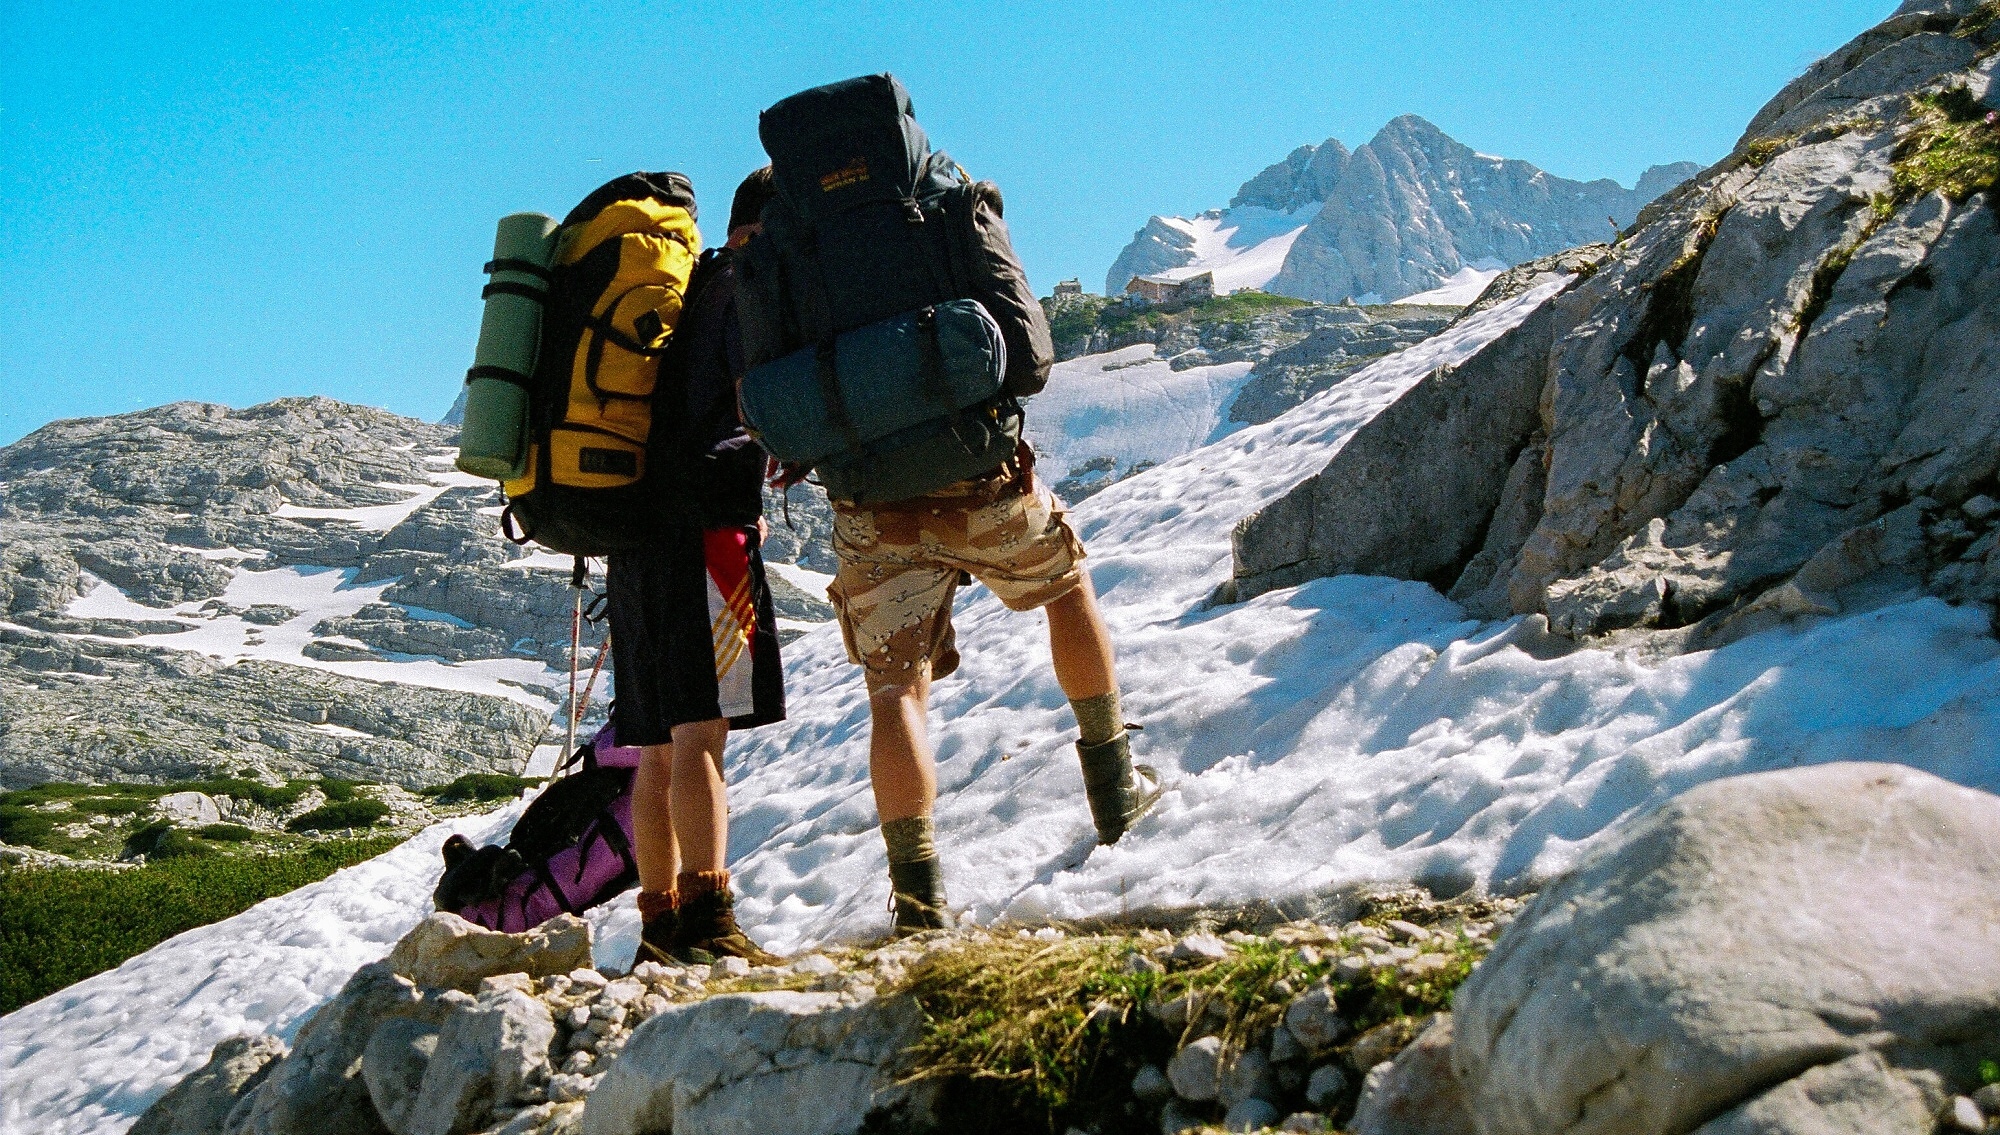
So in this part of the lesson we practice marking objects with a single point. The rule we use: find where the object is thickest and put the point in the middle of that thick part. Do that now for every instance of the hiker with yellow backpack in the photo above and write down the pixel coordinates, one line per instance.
(616, 433)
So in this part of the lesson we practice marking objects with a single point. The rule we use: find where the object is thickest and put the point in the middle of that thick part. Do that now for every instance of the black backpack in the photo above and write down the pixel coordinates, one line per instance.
(884, 276)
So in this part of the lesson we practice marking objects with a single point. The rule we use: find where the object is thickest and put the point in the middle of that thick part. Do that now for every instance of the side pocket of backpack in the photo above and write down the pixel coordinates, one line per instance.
(1000, 284)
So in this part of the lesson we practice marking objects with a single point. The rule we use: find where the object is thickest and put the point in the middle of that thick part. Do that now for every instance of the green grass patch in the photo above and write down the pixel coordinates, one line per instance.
(1052, 1032)
(1953, 150)
(110, 806)
(226, 833)
(60, 926)
(479, 787)
(1246, 304)
(355, 813)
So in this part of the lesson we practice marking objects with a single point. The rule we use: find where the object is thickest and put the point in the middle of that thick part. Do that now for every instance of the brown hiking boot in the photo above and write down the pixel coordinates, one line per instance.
(708, 931)
(1119, 791)
(656, 940)
(918, 890)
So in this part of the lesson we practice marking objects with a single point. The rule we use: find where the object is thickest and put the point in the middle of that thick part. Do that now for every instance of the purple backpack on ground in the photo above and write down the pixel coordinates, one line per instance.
(570, 850)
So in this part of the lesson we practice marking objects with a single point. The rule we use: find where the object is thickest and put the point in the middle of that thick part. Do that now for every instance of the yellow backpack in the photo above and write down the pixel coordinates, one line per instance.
(622, 265)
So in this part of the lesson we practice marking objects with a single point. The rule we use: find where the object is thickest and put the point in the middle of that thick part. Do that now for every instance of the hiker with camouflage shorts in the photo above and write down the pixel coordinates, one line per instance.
(890, 333)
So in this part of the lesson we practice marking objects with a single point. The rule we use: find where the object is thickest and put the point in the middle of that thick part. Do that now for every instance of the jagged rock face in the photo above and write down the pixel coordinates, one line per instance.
(1412, 207)
(1778, 396)
(1335, 345)
(1404, 212)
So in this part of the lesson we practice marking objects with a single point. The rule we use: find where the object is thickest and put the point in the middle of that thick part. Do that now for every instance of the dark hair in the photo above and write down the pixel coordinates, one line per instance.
(748, 207)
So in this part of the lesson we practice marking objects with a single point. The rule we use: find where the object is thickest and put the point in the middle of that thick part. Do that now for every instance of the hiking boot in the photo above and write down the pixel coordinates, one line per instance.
(708, 931)
(1119, 791)
(918, 890)
(656, 940)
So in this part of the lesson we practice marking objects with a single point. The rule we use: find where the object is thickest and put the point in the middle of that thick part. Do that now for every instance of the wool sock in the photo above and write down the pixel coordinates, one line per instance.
(910, 839)
(696, 884)
(1099, 719)
(653, 904)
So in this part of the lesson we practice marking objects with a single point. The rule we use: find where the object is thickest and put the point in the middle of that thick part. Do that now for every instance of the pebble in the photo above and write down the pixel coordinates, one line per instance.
(501, 982)
(1303, 1122)
(1965, 1115)
(1313, 1018)
(651, 972)
(1140, 963)
(1200, 947)
(1988, 1099)
(1408, 931)
(1324, 1086)
(1048, 934)
(731, 967)
(1285, 1047)
(653, 1005)
(1195, 1071)
(564, 1087)
(589, 978)
(579, 1016)
(555, 985)
(579, 1062)
(1309, 955)
(1425, 963)
(1150, 1086)
(1352, 966)
(624, 991)
(815, 965)
(1177, 1117)
(607, 1011)
(1248, 1079)
(1250, 1115)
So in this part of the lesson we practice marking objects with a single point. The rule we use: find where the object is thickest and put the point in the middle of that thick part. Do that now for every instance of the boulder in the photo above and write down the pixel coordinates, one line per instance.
(484, 1056)
(318, 1089)
(752, 1063)
(445, 951)
(1813, 949)
(199, 1104)
(393, 1066)
(188, 808)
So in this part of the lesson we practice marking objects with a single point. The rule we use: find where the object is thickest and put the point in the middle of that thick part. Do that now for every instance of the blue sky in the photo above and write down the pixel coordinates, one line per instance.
(234, 202)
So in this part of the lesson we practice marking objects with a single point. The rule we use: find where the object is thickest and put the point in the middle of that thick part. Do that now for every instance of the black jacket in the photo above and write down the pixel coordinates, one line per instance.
(718, 464)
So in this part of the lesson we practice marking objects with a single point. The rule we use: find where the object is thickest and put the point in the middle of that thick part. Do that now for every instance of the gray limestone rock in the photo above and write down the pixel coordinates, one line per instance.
(485, 1054)
(1417, 1093)
(199, 1104)
(445, 951)
(1196, 1070)
(745, 1064)
(1788, 352)
(318, 1088)
(393, 1066)
(1730, 954)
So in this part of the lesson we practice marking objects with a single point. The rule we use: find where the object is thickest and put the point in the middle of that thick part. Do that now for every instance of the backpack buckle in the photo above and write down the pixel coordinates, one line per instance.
(913, 212)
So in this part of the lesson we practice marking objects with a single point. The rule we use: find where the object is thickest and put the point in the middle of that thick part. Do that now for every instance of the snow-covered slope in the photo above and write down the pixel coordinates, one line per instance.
(1347, 730)
(1243, 246)
(1130, 407)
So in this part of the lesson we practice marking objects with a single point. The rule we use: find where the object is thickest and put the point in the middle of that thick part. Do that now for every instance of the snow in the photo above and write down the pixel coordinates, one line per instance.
(1245, 246)
(811, 582)
(382, 517)
(1347, 730)
(317, 593)
(1131, 406)
(1460, 288)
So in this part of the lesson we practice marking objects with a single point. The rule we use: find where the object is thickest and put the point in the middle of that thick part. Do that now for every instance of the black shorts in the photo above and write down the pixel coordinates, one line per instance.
(693, 635)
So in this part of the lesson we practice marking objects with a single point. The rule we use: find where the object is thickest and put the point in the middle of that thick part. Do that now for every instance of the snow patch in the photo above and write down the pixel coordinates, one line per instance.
(1460, 288)
(1245, 246)
(1129, 405)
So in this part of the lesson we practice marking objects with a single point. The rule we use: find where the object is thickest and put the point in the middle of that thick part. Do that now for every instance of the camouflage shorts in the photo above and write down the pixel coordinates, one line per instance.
(900, 565)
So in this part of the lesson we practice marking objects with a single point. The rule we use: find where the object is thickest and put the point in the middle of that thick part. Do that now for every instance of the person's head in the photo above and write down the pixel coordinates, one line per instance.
(747, 210)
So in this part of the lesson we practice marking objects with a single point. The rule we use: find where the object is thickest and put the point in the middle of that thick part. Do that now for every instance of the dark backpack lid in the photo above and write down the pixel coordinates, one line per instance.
(849, 143)
(666, 187)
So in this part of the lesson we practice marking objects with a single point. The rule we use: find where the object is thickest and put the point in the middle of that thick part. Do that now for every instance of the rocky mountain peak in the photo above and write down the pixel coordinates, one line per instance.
(1408, 211)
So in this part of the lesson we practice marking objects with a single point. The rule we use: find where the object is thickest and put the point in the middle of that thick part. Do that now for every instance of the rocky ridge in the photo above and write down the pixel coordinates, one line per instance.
(1774, 400)
(1722, 966)
(172, 505)
(1405, 212)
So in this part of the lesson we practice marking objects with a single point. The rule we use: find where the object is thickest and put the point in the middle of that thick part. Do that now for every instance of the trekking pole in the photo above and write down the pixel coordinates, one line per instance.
(577, 575)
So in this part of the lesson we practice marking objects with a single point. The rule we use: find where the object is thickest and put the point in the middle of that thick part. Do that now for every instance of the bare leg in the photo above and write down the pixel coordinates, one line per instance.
(900, 766)
(654, 845)
(1080, 645)
(700, 807)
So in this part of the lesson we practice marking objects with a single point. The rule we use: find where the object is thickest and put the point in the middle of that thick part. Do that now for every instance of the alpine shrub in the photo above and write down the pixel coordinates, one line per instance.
(60, 925)
(162, 840)
(25, 827)
(481, 786)
(355, 813)
(226, 833)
